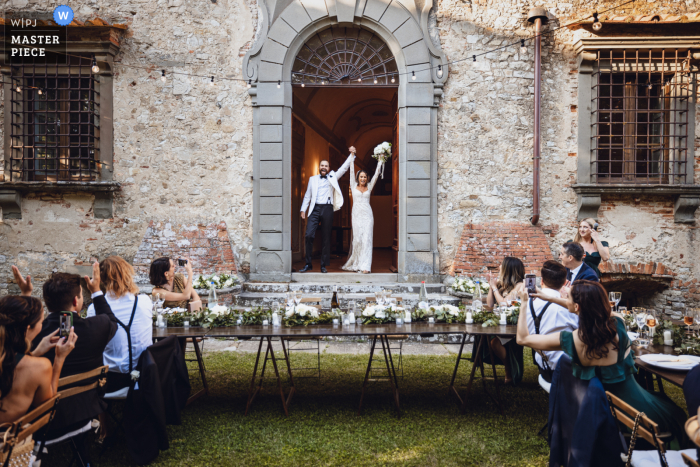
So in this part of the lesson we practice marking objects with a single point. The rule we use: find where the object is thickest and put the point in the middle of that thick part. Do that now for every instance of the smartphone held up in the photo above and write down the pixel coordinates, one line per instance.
(181, 262)
(65, 324)
(531, 283)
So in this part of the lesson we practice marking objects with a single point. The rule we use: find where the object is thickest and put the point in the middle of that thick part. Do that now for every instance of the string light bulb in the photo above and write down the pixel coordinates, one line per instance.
(597, 25)
(323, 82)
(40, 92)
(649, 86)
(359, 80)
(211, 83)
(413, 75)
(162, 76)
(18, 88)
(375, 80)
(439, 71)
(249, 84)
(279, 83)
(523, 49)
(95, 68)
(302, 85)
(393, 79)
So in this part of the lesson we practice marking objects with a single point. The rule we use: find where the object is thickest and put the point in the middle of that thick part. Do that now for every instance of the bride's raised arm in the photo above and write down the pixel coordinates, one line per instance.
(376, 174)
(353, 182)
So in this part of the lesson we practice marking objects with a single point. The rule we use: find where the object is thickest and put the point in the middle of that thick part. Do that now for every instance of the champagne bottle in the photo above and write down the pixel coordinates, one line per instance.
(334, 299)
(423, 295)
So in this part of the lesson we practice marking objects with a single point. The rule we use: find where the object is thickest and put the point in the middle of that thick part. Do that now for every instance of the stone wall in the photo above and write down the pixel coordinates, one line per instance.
(183, 148)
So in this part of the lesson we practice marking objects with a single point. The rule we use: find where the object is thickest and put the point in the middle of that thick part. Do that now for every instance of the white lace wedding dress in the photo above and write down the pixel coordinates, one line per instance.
(362, 224)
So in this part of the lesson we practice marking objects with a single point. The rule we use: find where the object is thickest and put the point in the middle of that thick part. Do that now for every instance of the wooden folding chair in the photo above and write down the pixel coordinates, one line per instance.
(312, 339)
(17, 449)
(641, 426)
(72, 386)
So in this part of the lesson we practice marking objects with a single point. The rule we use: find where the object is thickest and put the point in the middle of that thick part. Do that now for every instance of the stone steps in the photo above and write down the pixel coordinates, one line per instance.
(347, 287)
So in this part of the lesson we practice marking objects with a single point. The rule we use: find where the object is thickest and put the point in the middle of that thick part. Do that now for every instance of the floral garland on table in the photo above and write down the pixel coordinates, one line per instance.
(221, 281)
(215, 317)
(442, 313)
(303, 315)
(488, 318)
(468, 285)
(377, 314)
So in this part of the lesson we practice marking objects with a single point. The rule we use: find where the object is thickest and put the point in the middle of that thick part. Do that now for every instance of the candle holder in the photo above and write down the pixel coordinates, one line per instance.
(431, 320)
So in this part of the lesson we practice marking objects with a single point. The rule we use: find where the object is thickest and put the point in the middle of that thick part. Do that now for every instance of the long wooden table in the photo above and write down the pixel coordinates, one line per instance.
(378, 333)
(649, 371)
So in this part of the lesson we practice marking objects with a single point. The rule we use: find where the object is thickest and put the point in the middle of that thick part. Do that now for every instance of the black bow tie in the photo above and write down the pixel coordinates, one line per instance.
(323, 176)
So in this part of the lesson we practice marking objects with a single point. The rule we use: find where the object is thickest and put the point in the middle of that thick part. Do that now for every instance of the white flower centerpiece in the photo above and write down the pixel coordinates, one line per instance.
(303, 315)
(382, 152)
(465, 287)
(221, 281)
(378, 314)
(442, 313)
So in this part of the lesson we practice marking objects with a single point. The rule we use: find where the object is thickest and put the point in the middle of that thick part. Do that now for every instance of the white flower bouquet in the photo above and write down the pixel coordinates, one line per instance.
(221, 281)
(467, 285)
(378, 314)
(442, 313)
(382, 152)
(303, 315)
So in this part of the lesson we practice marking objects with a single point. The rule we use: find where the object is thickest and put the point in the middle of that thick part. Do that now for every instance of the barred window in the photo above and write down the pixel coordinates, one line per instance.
(55, 126)
(641, 109)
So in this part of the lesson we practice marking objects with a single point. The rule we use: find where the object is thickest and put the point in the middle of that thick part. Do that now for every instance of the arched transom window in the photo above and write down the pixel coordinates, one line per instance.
(345, 56)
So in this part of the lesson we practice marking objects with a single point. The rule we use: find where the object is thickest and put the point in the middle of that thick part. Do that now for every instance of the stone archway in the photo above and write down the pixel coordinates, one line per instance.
(284, 29)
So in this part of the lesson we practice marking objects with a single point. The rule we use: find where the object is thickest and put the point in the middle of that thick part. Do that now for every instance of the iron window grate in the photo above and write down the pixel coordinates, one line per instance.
(55, 128)
(345, 56)
(641, 109)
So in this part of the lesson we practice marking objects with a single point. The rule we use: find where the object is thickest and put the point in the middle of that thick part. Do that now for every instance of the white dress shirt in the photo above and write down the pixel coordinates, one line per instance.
(116, 354)
(325, 190)
(555, 319)
(574, 272)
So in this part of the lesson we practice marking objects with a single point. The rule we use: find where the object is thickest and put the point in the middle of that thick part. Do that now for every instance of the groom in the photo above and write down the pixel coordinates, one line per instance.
(323, 197)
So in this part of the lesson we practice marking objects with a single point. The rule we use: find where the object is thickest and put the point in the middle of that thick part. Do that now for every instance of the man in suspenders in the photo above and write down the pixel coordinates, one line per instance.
(545, 317)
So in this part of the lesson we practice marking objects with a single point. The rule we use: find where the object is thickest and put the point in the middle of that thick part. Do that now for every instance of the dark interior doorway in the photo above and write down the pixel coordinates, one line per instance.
(327, 120)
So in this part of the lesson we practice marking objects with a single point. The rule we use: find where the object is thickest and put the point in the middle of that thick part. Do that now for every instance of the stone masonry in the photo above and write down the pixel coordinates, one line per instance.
(183, 150)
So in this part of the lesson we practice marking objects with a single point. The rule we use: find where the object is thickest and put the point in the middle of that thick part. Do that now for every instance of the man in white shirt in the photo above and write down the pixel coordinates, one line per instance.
(550, 318)
(323, 197)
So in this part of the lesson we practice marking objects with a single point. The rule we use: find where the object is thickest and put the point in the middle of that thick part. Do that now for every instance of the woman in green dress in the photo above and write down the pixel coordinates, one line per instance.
(596, 250)
(601, 347)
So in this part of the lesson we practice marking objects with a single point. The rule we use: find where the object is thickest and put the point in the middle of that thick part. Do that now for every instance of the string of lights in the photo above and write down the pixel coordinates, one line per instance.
(212, 79)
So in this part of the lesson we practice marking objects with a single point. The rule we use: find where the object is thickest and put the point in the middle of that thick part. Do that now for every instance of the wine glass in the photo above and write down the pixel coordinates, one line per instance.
(297, 297)
(275, 307)
(640, 317)
(380, 297)
(651, 319)
(689, 317)
(290, 299)
(615, 298)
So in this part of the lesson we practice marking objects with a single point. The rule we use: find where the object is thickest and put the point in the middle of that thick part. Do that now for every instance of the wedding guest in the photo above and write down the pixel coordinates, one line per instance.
(63, 293)
(595, 249)
(545, 317)
(600, 347)
(571, 256)
(173, 288)
(505, 288)
(27, 378)
(134, 314)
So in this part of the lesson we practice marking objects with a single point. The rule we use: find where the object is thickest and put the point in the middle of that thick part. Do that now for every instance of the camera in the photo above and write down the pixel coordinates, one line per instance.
(531, 283)
(181, 262)
(65, 323)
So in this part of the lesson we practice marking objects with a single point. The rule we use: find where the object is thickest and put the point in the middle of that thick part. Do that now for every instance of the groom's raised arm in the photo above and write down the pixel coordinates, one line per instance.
(346, 165)
(307, 198)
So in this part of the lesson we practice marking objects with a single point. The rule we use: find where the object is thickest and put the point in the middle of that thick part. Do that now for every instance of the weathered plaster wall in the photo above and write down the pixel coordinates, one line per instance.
(486, 137)
(182, 149)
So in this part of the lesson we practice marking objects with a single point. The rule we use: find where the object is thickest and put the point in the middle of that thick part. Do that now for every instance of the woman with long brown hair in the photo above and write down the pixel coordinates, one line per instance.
(600, 347)
(595, 248)
(26, 378)
(505, 288)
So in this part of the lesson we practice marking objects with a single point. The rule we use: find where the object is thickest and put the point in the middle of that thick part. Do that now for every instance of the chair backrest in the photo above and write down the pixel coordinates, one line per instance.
(625, 414)
(70, 385)
(689, 461)
(311, 299)
(27, 425)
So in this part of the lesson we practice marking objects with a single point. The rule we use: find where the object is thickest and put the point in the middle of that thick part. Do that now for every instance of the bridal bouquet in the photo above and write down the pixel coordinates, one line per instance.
(378, 314)
(382, 153)
(303, 315)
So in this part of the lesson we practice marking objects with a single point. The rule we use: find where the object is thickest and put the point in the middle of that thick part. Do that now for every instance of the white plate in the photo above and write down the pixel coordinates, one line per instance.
(682, 363)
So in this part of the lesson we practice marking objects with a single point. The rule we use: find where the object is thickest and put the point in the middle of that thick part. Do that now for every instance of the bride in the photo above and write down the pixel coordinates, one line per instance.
(362, 220)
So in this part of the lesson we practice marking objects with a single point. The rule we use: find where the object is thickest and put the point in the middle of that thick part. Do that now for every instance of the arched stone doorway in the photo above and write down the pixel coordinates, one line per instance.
(270, 65)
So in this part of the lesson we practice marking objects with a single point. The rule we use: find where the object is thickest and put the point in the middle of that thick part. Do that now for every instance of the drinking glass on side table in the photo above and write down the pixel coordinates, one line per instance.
(640, 318)
(615, 298)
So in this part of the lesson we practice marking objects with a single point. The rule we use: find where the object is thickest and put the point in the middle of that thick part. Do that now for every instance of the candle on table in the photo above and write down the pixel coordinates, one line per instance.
(470, 318)
(668, 337)
(431, 320)
(503, 319)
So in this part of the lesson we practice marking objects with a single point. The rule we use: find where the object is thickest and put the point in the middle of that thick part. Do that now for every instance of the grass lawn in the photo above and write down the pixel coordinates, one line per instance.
(323, 427)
